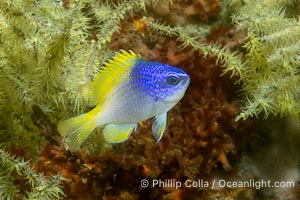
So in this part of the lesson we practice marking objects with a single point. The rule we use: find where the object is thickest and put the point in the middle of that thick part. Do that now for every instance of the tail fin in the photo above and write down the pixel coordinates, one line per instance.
(76, 130)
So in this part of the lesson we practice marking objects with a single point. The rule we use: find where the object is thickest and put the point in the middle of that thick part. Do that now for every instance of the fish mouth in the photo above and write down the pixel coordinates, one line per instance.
(187, 82)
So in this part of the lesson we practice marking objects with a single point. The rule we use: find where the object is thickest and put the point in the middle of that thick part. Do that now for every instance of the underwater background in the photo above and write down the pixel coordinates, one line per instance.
(237, 123)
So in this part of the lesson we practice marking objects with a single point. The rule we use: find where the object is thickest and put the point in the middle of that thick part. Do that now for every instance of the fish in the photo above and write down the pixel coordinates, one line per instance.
(127, 91)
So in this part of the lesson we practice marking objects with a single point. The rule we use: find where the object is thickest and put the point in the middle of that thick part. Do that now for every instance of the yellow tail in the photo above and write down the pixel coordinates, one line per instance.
(76, 130)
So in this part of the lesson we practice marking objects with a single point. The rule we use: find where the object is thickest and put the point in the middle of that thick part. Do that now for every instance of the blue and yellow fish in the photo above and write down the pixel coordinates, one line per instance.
(128, 90)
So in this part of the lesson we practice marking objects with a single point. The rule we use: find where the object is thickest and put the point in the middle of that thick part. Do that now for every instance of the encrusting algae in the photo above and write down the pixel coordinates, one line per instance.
(127, 90)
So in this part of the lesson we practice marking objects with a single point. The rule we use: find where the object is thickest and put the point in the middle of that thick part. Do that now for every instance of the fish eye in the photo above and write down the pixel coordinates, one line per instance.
(172, 80)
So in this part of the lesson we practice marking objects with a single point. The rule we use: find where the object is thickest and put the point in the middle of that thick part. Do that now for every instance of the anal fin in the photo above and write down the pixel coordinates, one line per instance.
(116, 133)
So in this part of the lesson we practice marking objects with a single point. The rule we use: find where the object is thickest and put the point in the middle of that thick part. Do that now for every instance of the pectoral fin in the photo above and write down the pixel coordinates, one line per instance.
(116, 133)
(159, 126)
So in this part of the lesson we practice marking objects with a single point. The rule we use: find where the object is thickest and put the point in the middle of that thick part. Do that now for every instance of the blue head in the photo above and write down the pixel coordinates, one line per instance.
(165, 84)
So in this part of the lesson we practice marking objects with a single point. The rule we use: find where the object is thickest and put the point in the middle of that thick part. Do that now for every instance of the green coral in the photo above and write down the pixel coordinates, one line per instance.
(14, 169)
(271, 69)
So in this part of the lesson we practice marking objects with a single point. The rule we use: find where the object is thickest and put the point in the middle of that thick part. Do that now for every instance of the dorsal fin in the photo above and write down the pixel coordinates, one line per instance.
(107, 79)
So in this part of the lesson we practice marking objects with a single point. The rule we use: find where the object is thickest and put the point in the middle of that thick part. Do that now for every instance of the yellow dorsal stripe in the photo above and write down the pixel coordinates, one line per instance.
(110, 76)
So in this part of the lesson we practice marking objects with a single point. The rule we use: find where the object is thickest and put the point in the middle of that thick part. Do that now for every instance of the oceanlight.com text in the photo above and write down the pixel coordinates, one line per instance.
(216, 183)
